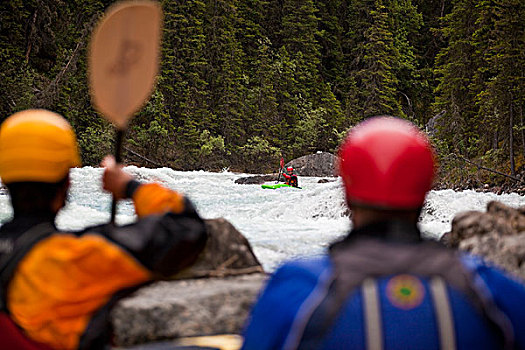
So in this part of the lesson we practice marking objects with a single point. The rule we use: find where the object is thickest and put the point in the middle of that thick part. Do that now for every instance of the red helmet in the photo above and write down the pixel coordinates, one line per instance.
(386, 163)
(289, 169)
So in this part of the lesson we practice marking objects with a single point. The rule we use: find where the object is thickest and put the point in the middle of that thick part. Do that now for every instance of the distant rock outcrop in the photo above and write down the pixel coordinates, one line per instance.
(191, 305)
(498, 235)
(256, 179)
(319, 164)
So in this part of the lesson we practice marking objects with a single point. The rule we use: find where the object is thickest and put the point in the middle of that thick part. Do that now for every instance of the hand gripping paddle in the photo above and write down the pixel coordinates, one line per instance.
(123, 63)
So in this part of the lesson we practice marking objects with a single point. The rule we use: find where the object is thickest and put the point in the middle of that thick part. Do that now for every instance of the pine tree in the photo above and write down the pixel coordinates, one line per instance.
(259, 68)
(307, 91)
(224, 74)
(374, 92)
(332, 15)
(182, 79)
(456, 66)
(503, 99)
(405, 22)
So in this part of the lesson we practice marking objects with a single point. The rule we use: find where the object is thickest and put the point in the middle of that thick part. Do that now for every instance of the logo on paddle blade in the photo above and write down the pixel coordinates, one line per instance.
(129, 55)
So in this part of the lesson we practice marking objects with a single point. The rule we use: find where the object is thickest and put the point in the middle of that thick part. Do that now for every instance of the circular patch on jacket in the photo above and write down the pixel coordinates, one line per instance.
(405, 291)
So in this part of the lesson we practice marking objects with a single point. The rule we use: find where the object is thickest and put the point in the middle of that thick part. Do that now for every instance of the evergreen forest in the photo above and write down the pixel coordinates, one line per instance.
(243, 82)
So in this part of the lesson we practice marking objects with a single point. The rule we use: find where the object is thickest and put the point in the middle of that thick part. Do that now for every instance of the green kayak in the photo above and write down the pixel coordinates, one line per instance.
(273, 187)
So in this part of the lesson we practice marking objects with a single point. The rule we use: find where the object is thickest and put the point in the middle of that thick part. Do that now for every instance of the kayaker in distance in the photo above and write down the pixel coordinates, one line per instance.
(384, 286)
(291, 178)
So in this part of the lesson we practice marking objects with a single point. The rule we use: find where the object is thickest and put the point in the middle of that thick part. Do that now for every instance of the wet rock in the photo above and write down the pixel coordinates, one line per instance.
(227, 252)
(506, 252)
(498, 235)
(323, 181)
(257, 179)
(191, 305)
(318, 164)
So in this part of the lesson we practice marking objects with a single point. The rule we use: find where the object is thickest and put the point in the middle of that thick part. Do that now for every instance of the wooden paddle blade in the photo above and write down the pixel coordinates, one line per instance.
(124, 59)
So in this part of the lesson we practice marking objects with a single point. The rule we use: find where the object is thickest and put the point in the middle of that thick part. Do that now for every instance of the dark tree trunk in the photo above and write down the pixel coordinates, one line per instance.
(495, 140)
(522, 131)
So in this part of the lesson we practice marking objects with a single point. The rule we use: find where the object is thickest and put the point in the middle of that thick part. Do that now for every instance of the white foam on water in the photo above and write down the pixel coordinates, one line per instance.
(441, 207)
(280, 224)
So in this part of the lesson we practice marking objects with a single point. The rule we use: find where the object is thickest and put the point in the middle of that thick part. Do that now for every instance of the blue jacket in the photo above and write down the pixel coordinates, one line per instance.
(292, 295)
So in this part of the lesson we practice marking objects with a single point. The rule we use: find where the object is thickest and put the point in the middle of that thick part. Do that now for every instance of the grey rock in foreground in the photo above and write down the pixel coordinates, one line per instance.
(185, 308)
(497, 235)
(191, 305)
(319, 164)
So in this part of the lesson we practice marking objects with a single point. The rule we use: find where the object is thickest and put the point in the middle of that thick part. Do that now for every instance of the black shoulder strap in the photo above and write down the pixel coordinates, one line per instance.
(22, 245)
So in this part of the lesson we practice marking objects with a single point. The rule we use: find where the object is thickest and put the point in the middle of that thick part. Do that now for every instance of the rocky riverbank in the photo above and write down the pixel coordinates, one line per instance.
(506, 187)
(497, 234)
(215, 295)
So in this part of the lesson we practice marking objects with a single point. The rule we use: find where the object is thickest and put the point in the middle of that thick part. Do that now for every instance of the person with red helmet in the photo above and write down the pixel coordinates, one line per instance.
(383, 286)
(291, 178)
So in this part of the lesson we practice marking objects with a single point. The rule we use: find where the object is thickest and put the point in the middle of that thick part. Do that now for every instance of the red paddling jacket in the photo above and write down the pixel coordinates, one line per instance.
(291, 179)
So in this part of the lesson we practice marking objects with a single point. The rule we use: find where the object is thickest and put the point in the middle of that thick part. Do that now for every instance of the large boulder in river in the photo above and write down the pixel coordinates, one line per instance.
(256, 179)
(227, 252)
(191, 305)
(498, 235)
(318, 164)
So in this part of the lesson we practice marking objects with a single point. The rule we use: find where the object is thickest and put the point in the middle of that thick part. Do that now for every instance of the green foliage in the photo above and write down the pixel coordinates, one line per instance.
(150, 131)
(480, 71)
(96, 141)
(242, 81)
(212, 154)
(210, 144)
(259, 155)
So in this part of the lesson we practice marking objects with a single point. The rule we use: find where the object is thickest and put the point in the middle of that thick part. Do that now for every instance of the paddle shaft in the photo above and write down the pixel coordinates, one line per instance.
(281, 167)
(118, 159)
(123, 64)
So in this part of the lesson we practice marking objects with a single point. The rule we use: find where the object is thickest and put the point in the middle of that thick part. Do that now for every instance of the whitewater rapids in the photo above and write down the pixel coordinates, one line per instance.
(280, 224)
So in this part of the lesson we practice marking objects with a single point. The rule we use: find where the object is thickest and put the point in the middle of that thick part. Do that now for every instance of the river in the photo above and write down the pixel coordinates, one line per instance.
(280, 224)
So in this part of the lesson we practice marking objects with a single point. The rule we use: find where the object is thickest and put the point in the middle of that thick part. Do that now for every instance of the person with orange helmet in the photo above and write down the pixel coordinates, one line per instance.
(291, 178)
(57, 288)
(383, 286)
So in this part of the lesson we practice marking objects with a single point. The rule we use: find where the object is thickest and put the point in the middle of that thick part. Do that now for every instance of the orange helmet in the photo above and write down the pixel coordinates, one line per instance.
(386, 163)
(36, 145)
